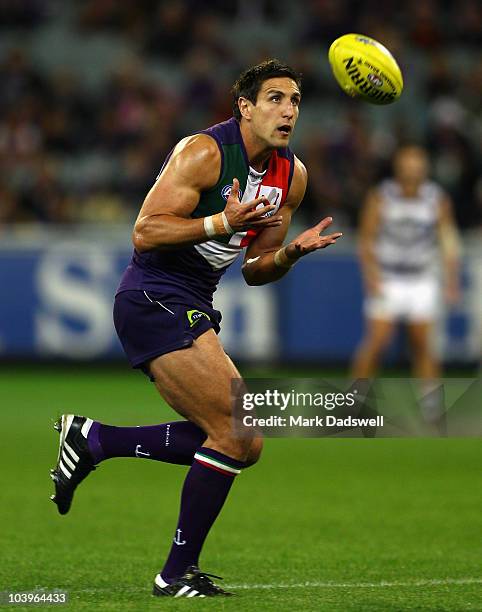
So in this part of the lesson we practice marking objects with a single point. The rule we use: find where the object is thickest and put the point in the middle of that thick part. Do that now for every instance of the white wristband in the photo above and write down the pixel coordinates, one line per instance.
(227, 227)
(282, 260)
(209, 227)
(217, 225)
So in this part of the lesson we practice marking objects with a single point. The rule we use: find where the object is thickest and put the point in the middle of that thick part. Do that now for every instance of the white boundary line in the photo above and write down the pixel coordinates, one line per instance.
(309, 584)
(361, 585)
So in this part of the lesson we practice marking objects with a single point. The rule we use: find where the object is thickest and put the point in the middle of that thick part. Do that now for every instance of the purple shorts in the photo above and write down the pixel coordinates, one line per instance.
(147, 327)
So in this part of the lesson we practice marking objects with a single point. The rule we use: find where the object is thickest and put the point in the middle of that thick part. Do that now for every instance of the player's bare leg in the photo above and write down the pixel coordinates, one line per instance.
(426, 368)
(85, 443)
(205, 401)
(377, 337)
(425, 364)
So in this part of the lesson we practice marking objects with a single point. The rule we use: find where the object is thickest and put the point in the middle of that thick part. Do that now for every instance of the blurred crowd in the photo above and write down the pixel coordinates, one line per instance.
(74, 148)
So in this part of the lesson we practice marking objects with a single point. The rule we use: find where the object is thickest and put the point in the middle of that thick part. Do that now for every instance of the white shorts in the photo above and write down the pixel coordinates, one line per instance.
(407, 298)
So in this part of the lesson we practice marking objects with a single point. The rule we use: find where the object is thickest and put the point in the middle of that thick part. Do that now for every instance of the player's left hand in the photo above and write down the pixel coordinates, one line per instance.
(312, 240)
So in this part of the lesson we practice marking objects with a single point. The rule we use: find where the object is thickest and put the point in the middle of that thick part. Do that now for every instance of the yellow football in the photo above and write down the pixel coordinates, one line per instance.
(365, 69)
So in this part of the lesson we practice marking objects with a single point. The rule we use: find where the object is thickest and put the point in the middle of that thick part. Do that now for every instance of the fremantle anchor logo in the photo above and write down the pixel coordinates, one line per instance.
(177, 539)
(226, 190)
(139, 453)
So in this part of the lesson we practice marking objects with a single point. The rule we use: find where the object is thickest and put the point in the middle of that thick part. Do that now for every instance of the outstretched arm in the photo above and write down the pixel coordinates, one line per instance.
(266, 259)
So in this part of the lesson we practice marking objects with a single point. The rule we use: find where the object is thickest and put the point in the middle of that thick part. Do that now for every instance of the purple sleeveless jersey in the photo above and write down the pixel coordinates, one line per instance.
(188, 275)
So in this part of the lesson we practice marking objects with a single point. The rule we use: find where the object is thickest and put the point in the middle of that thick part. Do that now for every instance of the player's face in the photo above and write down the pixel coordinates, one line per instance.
(275, 113)
(411, 165)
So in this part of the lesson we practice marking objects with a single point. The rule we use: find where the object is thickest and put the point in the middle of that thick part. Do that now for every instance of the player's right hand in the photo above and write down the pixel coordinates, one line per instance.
(242, 217)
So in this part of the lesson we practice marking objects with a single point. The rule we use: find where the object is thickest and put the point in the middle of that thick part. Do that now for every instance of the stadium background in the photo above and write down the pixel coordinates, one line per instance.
(93, 95)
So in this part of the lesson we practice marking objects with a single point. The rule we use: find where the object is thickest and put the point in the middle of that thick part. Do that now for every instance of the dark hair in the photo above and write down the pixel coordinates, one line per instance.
(249, 82)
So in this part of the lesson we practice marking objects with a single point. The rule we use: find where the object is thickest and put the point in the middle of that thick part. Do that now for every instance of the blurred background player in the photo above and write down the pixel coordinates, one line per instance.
(405, 222)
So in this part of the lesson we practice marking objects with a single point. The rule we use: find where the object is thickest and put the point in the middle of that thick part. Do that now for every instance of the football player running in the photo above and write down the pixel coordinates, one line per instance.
(231, 188)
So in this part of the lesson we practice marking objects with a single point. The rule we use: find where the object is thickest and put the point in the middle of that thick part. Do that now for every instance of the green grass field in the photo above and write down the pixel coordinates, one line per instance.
(331, 524)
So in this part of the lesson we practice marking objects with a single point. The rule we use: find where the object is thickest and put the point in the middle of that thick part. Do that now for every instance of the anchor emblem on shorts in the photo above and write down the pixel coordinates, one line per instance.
(177, 540)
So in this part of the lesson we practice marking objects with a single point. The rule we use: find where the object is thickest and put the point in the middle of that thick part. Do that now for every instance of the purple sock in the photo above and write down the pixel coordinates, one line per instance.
(205, 489)
(170, 442)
